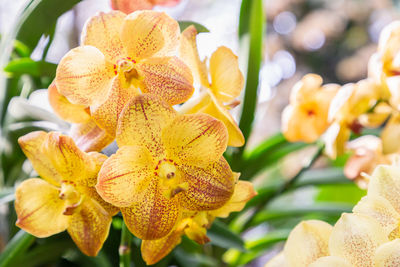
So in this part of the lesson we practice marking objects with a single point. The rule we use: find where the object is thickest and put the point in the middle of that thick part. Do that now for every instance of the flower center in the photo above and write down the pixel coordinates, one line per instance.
(72, 197)
(170, 183)
(126, 68)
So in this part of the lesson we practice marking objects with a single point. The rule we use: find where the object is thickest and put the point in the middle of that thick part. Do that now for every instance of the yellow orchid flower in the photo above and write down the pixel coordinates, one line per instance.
(165, 163)
(350, 102)
(121, 56)
(306, 117)
(65, 197)
(195, 224)
(87, 135)
(368, 237)
(226, 84)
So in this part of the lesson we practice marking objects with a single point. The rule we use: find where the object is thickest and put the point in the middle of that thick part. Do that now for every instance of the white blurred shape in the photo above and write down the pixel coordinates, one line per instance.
(314, 40)
(286, 62)
(284, 22)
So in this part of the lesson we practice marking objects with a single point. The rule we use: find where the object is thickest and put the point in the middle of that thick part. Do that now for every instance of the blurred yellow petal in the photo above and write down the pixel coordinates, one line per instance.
(226, 78)
(103, 31)
(244, 191)
(141, 123)
(385, 182)
(277, 261)
(65, 109)
(32, 146)
(90, 137)
(89, 227)
(125, 175)
(388, 255)
(196, 139)
(390, 135)
(189, 54)
(210, 105)
(330, 261)
(83, 76)
(39, 208)
(154, 216)
(150, 33)
(335, 139)
(381, 210)
(306, 118)
(307, 242)
(107, 113)
(209, 187)
(166, 77)
(155, 250)
(355, 237)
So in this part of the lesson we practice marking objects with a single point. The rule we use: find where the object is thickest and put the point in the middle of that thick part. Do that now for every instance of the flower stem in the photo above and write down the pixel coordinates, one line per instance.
(125, 247)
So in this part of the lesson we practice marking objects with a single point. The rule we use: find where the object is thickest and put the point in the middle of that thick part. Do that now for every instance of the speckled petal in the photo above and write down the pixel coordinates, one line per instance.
(83, 76)
(226, 78)
(307, 242)
(89, 227)
(210, 187)
(195, 139)
(355, 237)
(167, 77)
(243, 192)
(385, 182)
(39, 208)
(388, 254)
(330, 261)
(150, 33)
(155, 250)
(106, 115)
(380, 209)
(141, 123)
(65, 109)
(154, 216)
(103, 31)
(124, 176)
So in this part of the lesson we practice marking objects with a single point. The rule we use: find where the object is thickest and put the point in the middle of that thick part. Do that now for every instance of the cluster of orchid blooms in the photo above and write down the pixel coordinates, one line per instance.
(370, 236)
(132, 81)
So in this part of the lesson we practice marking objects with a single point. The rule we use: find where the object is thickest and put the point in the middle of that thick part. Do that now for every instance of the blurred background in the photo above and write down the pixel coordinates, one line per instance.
(331, 38)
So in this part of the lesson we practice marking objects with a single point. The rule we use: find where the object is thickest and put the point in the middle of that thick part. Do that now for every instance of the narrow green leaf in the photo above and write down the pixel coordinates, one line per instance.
(28, 66)
(253, 12)
(244, 17)
(294, 211)
(193, 259)
(222, 236)
(16, 248)
(200, 28)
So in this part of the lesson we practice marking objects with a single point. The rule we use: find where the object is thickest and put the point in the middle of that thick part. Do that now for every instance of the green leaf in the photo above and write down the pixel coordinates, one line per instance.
(6, 195)
(255, 16)
(200, 28)
(244, 17)
(348, 193)
(255, 248)
(296, 211)
(43, 14)
(222, 236)
(193, 259)
(16, 248)
(28, 66)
